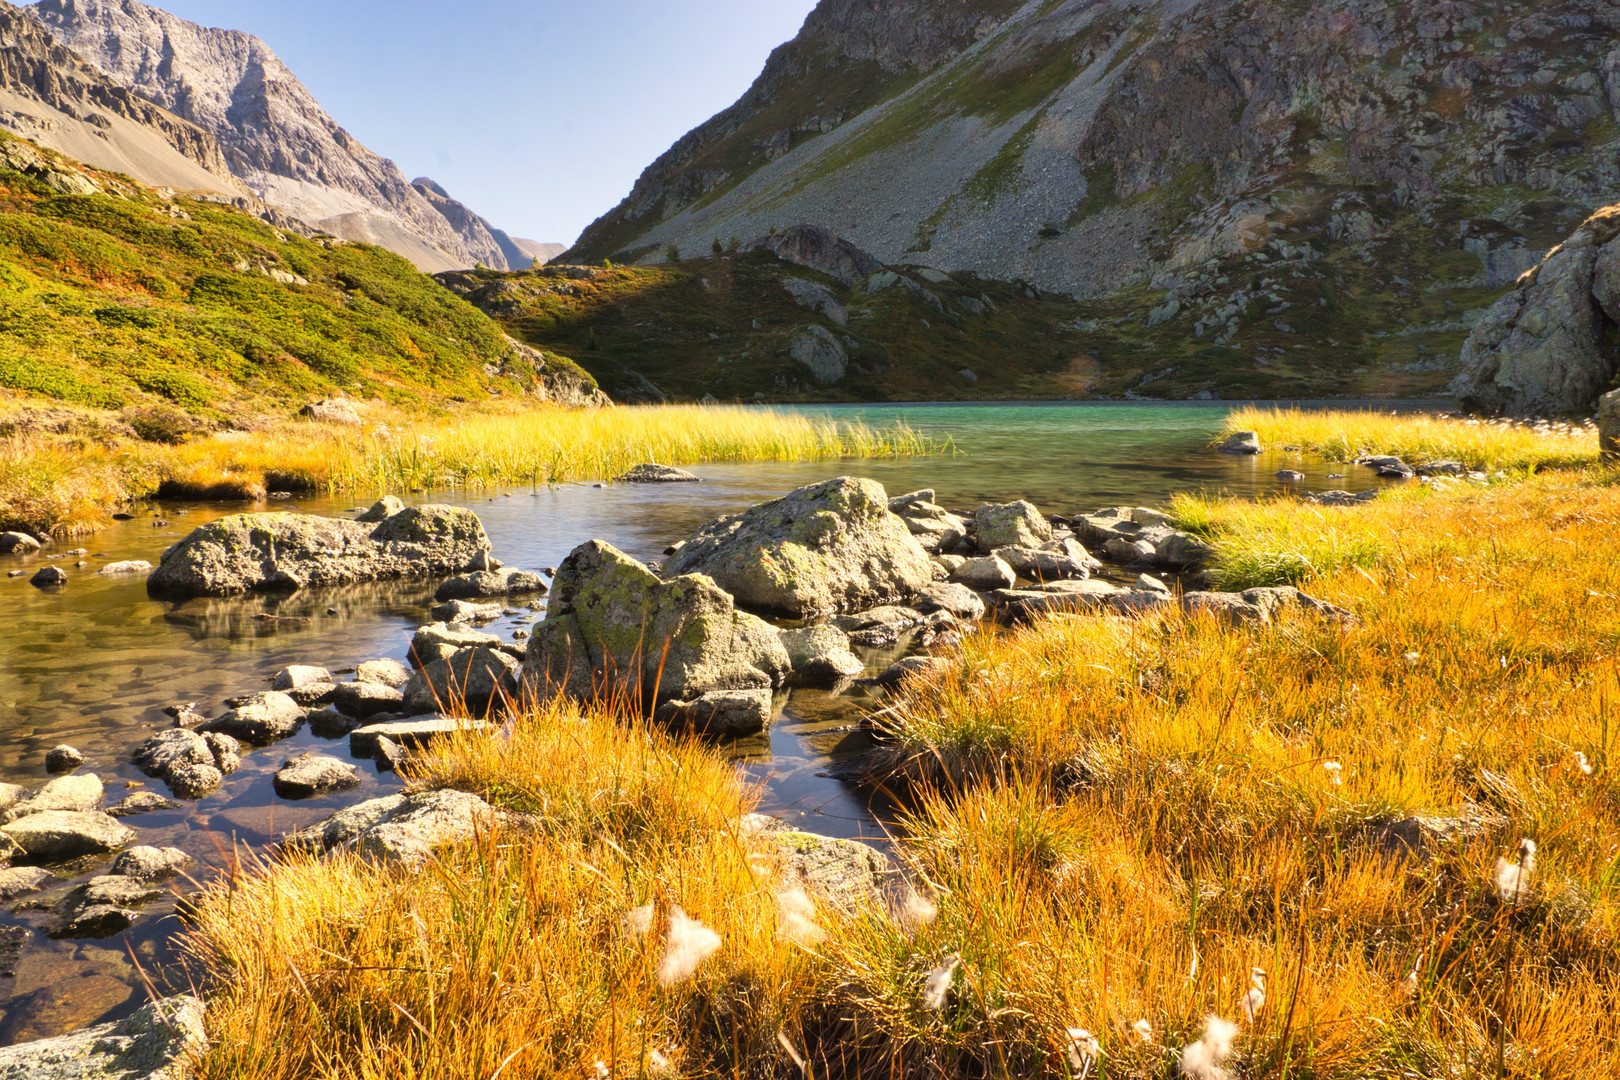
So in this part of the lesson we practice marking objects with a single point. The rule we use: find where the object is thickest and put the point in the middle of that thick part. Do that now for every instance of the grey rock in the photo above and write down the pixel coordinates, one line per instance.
(889, 616)
(614, 626)
(332, 411)
(365, 699)
(1241, 442)
(17, 881)
(11, 795)
(57, 835)
(1015, 524)
(846, 873)
(1608, 422)
(17, 543)
(62, 759)
(820, 249)
(486, 584)
(657, 474)
(128, 566)
(142, 802)
(1129, 552)
(1260, 605)
(821, 353)
(290, 678)
(821, 549)
(260, 720)
(1180, 550)
(1341, 498)
(399, 829)
(366, 741)
(82, 792)
(956, 599)
(818, 298)
(101, 907)
(330, 723)
(150, 1044)
(381, 510)
(390, 756)
(720, 713)
(935, 528)
(1047, 565)
(312, 695)
(183, 760)
(49, 577)
(150, 863)
(1444, 467)
(1392, 468)
(309, 775)
(1097, 529)
(226, 750)
(384, 672)
(1149, 583)
(465, 611)
(437, 641)
(470, 679)
(248, 552)
(912, 668)
(820, 655)
(989, 572)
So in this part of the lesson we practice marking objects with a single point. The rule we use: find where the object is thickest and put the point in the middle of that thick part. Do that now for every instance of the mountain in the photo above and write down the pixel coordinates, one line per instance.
(488, 245)
(536, 252)
(275, 136)
(1326, 191)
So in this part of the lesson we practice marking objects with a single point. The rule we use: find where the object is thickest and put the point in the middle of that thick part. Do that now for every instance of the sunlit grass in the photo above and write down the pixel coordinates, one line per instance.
(1344, 435)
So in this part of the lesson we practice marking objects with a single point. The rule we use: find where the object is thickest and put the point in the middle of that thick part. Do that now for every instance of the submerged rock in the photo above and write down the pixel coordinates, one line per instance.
(615, 627)
(822, 549)
(249, 552)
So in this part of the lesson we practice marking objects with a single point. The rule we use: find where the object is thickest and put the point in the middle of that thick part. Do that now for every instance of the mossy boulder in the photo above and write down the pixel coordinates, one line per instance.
(820, 550)
(614, 627)
(284, 552)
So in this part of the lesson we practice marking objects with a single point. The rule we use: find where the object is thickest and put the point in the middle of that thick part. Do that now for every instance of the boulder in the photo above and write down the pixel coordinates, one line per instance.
(419, 731)
(913, 667)
(331, 411)
(720, 713)
(925, 496)
(956, 599)
(439, 640)
(290, 678)
(150, 863)
(1542, 348)
(989, 572)
(250, 552)
(101, 907)
(1260, 605)
(309, 775)
(820, 656)
(17, 543)
(1241, 442)
(83, 792)
(471, 679)
(657, 474)
(821, 549)
(260, 719)
(821, 353)
(366, 699)
(820, 249)
(1015, 524)
(1128, 552)
(49, 577)
(185, 761)
(153, 1043)
(846, 873)
(128, 566)
(1149, 583)
(384, 673)
(1095, 530)
(1043, 565)
(58, 835)
(312, 695)
(381, 510)
(614, 627)
(484, 584)
(401, 829)
(1180, 550)
(1390, 468)
(63, 758)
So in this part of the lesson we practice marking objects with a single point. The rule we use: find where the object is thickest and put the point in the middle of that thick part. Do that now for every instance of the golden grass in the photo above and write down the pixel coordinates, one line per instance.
(59, 484)
(1138, 812)
(1344, 435)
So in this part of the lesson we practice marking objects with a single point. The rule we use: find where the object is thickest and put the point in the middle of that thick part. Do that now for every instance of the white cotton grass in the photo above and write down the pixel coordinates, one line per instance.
(1143, 1031)
(688, 944)
(796, 918)
(917, 911)
(1206, 1058)
(1254, 1000)
(1513, 878)
(937, 987)
(638, 921)
(1582, 764)
(1335, 772)
(1084, 1050)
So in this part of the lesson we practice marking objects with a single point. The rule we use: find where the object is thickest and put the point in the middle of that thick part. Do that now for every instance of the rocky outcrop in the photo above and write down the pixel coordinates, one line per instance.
(614, 628)
(276, 137)
(253, 552)
(822, 250)
(153, 1043)
(1549, 347)
(821, 354)
(826, 548)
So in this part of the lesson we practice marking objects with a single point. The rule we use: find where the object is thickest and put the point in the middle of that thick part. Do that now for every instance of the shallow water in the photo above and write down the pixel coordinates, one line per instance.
(94, 664)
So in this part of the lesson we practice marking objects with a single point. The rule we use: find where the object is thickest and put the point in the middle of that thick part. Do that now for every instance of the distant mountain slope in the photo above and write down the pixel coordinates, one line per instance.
(536, 252)
(487, 244)
(1314, 187)
(276, 137)
(114, 295)
(50, 94)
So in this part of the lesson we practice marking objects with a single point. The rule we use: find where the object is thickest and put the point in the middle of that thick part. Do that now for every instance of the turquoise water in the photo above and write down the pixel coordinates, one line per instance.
(94, 664)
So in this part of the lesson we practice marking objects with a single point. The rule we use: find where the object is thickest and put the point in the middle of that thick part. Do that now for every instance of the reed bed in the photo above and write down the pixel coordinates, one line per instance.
(1488, 445)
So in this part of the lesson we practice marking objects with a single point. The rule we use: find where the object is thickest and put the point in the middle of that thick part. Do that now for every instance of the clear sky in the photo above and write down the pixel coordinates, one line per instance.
(538, 114)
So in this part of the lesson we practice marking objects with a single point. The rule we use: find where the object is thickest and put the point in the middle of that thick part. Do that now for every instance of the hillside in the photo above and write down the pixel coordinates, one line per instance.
(1332, 189)
(277, 140)
(114, 295)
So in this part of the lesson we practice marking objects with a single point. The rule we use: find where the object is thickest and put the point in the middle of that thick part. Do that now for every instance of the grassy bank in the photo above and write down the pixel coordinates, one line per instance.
(1344, 435)
(64, 481)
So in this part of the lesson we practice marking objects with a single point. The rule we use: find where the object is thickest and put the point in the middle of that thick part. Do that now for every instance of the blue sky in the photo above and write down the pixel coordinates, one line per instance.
(540, 114)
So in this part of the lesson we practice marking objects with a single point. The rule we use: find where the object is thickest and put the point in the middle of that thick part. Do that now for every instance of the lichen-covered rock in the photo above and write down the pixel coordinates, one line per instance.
(1015, 524)
(296, 675)
(83, 792)
(471, 679)
(936, 528)
(844, 872)
(720, 713)
(820, 655)
(1043, 565)
(183, 760)
(150, 863)
(822, 549)
(385, 672)
(1241, 443)
(309, 775)
(1180, 550)
(1260, 605)
(250, 552)
(151, 1044)
(56, 835)
(437, 641)
(381, 510)
(260, 720)
(484, 584)
(366, 699)
(614, 627)
(959, 600)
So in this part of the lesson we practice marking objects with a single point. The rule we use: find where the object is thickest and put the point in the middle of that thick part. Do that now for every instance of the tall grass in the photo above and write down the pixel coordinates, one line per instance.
(62, 485)
(1344, 435)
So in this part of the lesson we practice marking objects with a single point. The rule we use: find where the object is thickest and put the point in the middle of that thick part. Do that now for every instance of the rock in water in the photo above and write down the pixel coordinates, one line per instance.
(1015, 524)
(614, 626)
(260, 719)
(56, 835)
(17, 543)
(657, 474)
(249, 552)
(50, 577)
(826, 548)
(1544, 348)
(722, 713)
(149, 1045)
(820, 655)
(63, 758)
(311, 774)
(1241, 442)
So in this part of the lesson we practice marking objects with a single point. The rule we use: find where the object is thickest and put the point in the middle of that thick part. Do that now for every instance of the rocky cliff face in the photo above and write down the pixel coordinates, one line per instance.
(1326, 189)
(484, 242)
(276, 137)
